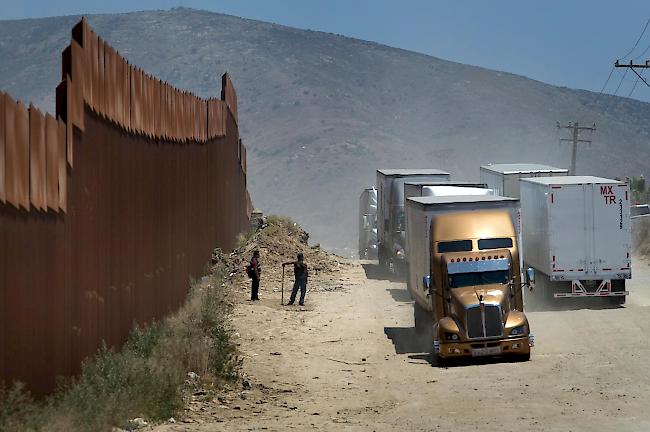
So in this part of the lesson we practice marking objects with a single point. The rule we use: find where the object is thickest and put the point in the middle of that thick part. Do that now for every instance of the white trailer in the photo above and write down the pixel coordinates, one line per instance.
(577, 236)
(504, 178)
(426, 188)
(390, 211)
(420, 211)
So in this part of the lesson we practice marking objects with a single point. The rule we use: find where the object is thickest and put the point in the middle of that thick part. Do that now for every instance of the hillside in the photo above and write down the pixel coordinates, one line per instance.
(320, 112)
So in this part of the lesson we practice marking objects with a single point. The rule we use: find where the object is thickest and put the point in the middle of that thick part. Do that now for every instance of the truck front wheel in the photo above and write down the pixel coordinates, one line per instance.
(523, 357)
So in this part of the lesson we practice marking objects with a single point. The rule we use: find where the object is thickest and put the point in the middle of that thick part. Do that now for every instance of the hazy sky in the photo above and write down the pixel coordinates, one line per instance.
(567, 43)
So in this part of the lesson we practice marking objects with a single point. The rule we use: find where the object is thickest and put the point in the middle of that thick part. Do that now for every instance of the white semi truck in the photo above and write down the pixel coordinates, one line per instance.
(504, 178)
(577, 236)
(368, 224)
(390, 212)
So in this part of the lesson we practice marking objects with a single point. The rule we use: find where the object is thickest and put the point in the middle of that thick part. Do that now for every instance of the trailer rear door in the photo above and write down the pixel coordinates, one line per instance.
(611, 210)
(569, 230)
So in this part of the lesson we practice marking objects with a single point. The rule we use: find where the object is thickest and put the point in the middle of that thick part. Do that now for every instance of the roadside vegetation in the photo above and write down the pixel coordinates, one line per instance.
(639, 189)
(148, 380)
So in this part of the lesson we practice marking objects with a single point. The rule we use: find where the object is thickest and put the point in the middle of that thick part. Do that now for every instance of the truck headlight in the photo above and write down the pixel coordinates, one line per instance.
(517, 331)
(451, 336)
(400, 254)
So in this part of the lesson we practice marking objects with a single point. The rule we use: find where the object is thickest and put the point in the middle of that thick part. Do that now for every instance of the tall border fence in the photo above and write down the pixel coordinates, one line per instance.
(107, 209)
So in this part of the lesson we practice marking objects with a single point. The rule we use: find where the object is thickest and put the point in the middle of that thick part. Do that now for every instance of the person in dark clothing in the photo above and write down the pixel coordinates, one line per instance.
(301, 274)
(255, 270)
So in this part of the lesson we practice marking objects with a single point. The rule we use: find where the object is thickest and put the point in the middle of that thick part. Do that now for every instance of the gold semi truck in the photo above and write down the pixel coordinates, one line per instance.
(470, 294)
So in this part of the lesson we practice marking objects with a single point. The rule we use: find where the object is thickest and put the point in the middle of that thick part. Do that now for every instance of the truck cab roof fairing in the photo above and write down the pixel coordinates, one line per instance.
(473, 225)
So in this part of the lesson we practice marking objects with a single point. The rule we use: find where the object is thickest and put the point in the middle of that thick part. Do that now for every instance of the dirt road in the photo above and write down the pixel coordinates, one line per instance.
(349, 361)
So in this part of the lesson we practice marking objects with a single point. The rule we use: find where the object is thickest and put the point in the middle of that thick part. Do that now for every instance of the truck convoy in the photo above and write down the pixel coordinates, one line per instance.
(465, 277)
(504, 178)
(368, 224)
(577, 236)
(390, 212)
(465, 246)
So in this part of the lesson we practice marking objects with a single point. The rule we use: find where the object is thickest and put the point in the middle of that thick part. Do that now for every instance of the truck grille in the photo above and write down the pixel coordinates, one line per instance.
(493, 324)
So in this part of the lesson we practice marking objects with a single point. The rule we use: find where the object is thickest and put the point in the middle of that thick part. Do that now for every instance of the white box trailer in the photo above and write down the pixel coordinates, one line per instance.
(504, 178)
(424, 188)
(420, 211)
(390, 211)
(577, 233)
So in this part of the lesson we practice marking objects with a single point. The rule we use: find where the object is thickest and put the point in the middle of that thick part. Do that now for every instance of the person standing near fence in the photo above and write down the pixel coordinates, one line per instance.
(254, 269)
(301, 274)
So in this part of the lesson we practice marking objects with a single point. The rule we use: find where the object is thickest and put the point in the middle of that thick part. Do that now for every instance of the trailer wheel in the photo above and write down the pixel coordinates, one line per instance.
(618, 285)
(618, 300)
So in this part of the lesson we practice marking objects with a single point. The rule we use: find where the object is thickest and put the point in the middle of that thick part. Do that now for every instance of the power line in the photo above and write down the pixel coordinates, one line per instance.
(607, 81)
(639, 39)
(621, 82)
(639, 78)
(643, 53)
(602, 90)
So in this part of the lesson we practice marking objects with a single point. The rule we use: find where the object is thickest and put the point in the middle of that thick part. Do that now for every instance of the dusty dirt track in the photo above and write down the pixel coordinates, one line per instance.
(349, 361)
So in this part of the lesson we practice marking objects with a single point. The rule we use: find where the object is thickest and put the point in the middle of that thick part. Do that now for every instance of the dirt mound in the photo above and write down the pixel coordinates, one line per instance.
(279, 241)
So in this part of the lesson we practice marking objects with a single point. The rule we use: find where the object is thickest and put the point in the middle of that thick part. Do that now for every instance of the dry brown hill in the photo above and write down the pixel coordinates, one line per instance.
(320, 112)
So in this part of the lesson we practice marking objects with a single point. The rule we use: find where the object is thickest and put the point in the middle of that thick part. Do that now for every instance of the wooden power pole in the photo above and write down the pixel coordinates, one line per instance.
(575, 129)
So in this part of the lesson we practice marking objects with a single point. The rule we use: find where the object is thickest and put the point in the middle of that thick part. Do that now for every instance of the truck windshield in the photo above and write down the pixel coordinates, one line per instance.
(460, 280)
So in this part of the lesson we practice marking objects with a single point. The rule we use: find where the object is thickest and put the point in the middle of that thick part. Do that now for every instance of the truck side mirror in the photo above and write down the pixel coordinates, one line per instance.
(426, 282)
(530, 273)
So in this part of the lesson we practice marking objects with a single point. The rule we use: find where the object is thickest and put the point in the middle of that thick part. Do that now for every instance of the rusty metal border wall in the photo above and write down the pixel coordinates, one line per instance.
(107, 210)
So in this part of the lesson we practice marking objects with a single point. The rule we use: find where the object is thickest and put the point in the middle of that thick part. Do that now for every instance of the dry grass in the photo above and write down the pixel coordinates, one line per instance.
(147, 378)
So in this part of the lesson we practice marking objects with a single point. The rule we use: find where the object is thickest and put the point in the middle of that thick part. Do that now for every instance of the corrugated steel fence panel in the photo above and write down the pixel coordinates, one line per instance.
(90, 53)
(101, 78)
(70, 100)
(3, 192)
(62, 165)
(37, 159)
(52, 162)
(92, 56)
(229, 95)
(18, 156)
(78, 77)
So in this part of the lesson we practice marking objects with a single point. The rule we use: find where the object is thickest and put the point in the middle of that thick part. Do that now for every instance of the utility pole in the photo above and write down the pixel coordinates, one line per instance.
(575, 129)
(633, 67)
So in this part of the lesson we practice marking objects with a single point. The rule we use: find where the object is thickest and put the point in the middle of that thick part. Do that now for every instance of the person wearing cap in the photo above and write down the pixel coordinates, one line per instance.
(301, 274)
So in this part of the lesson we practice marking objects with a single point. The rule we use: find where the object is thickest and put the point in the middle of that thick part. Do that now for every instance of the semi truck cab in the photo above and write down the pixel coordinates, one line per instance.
(475, 287)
